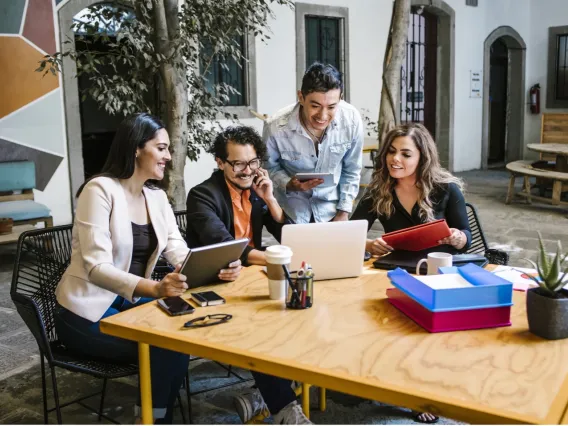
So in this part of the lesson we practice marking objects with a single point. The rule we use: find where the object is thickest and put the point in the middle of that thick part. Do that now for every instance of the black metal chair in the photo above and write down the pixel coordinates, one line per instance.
(478, 241)
(41, 259)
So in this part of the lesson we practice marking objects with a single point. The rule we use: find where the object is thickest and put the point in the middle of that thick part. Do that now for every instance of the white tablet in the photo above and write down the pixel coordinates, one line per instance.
(202, 264)
(327, 177)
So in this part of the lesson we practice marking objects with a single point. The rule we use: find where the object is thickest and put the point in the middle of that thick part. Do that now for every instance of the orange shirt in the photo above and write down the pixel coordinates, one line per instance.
(242, 208)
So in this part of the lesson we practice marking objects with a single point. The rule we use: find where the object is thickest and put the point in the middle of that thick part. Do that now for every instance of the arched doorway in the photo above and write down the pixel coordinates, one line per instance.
(438, 79)
(503, 98)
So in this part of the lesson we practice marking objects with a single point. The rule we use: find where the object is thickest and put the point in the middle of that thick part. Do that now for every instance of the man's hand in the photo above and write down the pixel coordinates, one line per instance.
(340, 216)
(295, 185)
(262, 185)
(231, 273)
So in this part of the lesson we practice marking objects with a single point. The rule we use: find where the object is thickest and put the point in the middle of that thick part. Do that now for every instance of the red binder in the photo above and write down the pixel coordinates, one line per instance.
(419, 237)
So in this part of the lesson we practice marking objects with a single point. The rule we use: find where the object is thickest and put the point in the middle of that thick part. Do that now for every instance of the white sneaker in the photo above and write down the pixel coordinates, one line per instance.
(292, 414)
(250, 404)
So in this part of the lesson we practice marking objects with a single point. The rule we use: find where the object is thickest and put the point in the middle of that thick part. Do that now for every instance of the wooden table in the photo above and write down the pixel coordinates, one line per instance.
(352, 340)
(558, 149)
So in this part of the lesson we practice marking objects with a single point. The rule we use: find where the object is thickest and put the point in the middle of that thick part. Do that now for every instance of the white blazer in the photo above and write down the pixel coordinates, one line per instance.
(102, 235)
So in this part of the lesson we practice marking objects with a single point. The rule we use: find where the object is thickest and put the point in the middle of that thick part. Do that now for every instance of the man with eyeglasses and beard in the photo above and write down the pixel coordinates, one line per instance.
(236, 202)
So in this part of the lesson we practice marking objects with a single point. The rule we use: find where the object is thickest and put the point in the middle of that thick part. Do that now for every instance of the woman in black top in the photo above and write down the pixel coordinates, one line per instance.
(409, 187)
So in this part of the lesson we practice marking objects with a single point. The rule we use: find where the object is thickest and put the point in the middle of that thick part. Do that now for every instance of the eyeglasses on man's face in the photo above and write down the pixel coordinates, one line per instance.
(239, 166)
(208, 320)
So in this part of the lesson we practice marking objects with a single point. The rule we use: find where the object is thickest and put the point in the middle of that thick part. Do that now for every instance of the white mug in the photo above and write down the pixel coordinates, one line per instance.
(435, 260)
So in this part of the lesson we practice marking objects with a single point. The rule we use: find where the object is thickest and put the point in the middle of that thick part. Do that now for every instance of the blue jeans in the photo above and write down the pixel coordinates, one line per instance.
(168, 368)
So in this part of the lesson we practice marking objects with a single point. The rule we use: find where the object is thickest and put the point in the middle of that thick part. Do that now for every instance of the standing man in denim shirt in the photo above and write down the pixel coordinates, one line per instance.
(319, 134)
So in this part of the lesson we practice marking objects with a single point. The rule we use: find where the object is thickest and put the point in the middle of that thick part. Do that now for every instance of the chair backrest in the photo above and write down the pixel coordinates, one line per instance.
(478, 241)
(41, 259)
(181, 220)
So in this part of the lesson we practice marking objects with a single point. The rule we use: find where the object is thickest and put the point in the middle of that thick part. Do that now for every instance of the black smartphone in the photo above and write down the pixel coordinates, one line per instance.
(175, 305)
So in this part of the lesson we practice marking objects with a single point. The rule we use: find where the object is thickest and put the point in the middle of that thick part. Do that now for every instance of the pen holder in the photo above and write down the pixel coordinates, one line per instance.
(300, 292)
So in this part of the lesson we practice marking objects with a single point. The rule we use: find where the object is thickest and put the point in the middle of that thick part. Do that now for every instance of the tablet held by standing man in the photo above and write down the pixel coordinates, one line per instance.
(319, 134)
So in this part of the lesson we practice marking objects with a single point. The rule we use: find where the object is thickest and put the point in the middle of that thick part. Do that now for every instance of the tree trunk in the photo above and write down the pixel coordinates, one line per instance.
(175, 90)
(395, 54)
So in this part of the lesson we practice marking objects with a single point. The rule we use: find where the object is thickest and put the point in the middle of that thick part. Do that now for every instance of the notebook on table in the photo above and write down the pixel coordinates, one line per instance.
(419, 237)
(407, 260)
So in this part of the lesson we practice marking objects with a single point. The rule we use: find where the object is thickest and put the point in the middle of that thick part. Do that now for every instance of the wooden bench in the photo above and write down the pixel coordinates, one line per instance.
(526, 170)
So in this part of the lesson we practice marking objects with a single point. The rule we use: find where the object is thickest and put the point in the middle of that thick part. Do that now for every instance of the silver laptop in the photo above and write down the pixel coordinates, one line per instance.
(334, 249)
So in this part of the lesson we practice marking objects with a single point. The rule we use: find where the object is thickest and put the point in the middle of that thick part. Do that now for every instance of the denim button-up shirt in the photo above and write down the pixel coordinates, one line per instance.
(290, 151)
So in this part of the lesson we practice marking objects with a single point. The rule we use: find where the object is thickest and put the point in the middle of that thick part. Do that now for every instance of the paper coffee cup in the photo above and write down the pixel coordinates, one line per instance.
(276, 256)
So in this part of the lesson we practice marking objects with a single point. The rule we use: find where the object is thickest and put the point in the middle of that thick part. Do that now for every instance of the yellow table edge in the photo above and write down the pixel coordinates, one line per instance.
(417, 400)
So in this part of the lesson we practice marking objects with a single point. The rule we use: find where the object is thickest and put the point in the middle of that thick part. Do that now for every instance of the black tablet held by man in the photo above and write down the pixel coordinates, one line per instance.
(202, 264)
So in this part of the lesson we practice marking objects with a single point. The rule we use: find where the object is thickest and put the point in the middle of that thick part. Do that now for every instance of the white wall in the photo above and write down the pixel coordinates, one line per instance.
(56, 195)
(544, 14)
(368, 26)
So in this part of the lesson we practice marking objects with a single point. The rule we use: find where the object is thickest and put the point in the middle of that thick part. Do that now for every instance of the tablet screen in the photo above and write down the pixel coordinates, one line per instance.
(202, 265)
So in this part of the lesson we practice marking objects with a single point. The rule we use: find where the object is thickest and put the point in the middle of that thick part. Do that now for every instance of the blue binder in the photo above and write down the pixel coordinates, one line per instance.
(487, 290)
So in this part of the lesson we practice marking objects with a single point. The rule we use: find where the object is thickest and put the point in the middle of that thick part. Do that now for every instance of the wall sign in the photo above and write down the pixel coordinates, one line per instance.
(475, 82)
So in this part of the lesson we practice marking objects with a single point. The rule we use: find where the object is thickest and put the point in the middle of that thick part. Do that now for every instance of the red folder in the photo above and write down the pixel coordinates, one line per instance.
(419, 237)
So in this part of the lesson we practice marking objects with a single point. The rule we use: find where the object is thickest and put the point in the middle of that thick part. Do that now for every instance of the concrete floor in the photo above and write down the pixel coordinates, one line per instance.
(511, 228)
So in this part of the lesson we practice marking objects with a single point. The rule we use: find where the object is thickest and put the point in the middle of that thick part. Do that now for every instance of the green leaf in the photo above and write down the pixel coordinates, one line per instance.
(542, 253)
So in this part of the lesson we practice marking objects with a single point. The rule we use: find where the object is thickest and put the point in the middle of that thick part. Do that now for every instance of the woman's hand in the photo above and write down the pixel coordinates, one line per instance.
(173, 284)
(378, 247)
(231, 273)
(457, 239)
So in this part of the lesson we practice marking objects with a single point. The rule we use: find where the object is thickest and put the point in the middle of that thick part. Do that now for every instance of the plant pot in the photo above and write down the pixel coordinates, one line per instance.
(547, 316)
(6, 224)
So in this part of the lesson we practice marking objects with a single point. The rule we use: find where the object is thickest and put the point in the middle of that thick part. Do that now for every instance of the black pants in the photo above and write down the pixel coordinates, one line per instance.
(276, 392)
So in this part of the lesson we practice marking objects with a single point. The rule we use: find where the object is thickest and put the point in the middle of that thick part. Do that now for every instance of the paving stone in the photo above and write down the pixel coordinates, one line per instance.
(10, 320)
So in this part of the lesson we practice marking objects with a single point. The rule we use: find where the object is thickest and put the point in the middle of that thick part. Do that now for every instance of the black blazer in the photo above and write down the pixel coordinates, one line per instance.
(210, 216)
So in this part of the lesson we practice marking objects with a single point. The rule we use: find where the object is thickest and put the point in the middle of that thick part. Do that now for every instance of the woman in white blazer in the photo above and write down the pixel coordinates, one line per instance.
(123, 223)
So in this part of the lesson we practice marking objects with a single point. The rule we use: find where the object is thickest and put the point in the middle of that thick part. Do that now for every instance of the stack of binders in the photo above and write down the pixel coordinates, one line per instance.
(463, 298)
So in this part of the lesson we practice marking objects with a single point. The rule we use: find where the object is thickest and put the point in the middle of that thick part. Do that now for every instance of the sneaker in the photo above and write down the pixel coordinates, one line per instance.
(292, 414)
(250, 404)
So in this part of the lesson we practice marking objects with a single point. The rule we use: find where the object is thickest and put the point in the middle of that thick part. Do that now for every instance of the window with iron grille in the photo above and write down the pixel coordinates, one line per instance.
(557, 83)
(471, 3)
(562, 67)
(229, 71)
(323, 41)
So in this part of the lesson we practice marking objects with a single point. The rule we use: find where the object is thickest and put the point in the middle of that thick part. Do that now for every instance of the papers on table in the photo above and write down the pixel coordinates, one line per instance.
(440, 282)
(518, 276)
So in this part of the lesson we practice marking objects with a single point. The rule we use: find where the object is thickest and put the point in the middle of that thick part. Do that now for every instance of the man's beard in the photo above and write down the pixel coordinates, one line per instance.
(236, 185)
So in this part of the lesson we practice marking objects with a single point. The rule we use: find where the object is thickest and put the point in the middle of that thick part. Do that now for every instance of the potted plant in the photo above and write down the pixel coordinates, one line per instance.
(547, 304)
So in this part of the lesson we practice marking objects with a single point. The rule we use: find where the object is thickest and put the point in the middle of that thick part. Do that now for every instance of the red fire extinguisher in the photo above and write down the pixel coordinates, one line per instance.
(535, 99)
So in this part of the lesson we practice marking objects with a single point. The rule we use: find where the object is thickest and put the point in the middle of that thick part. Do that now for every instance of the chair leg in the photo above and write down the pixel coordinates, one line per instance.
(187, 391)
(102, 399)
(44, 388)
(229, 371)
(56, 395)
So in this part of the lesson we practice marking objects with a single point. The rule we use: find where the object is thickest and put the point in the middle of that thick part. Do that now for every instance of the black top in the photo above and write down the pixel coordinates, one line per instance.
(447, 202)
(144, 242)
(210, 217)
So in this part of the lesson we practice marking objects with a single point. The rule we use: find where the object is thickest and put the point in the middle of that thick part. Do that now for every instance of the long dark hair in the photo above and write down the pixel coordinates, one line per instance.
(132, 133)
(429, 173)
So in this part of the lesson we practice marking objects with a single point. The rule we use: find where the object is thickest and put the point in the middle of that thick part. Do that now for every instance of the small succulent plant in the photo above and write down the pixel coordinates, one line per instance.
(551, 275)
